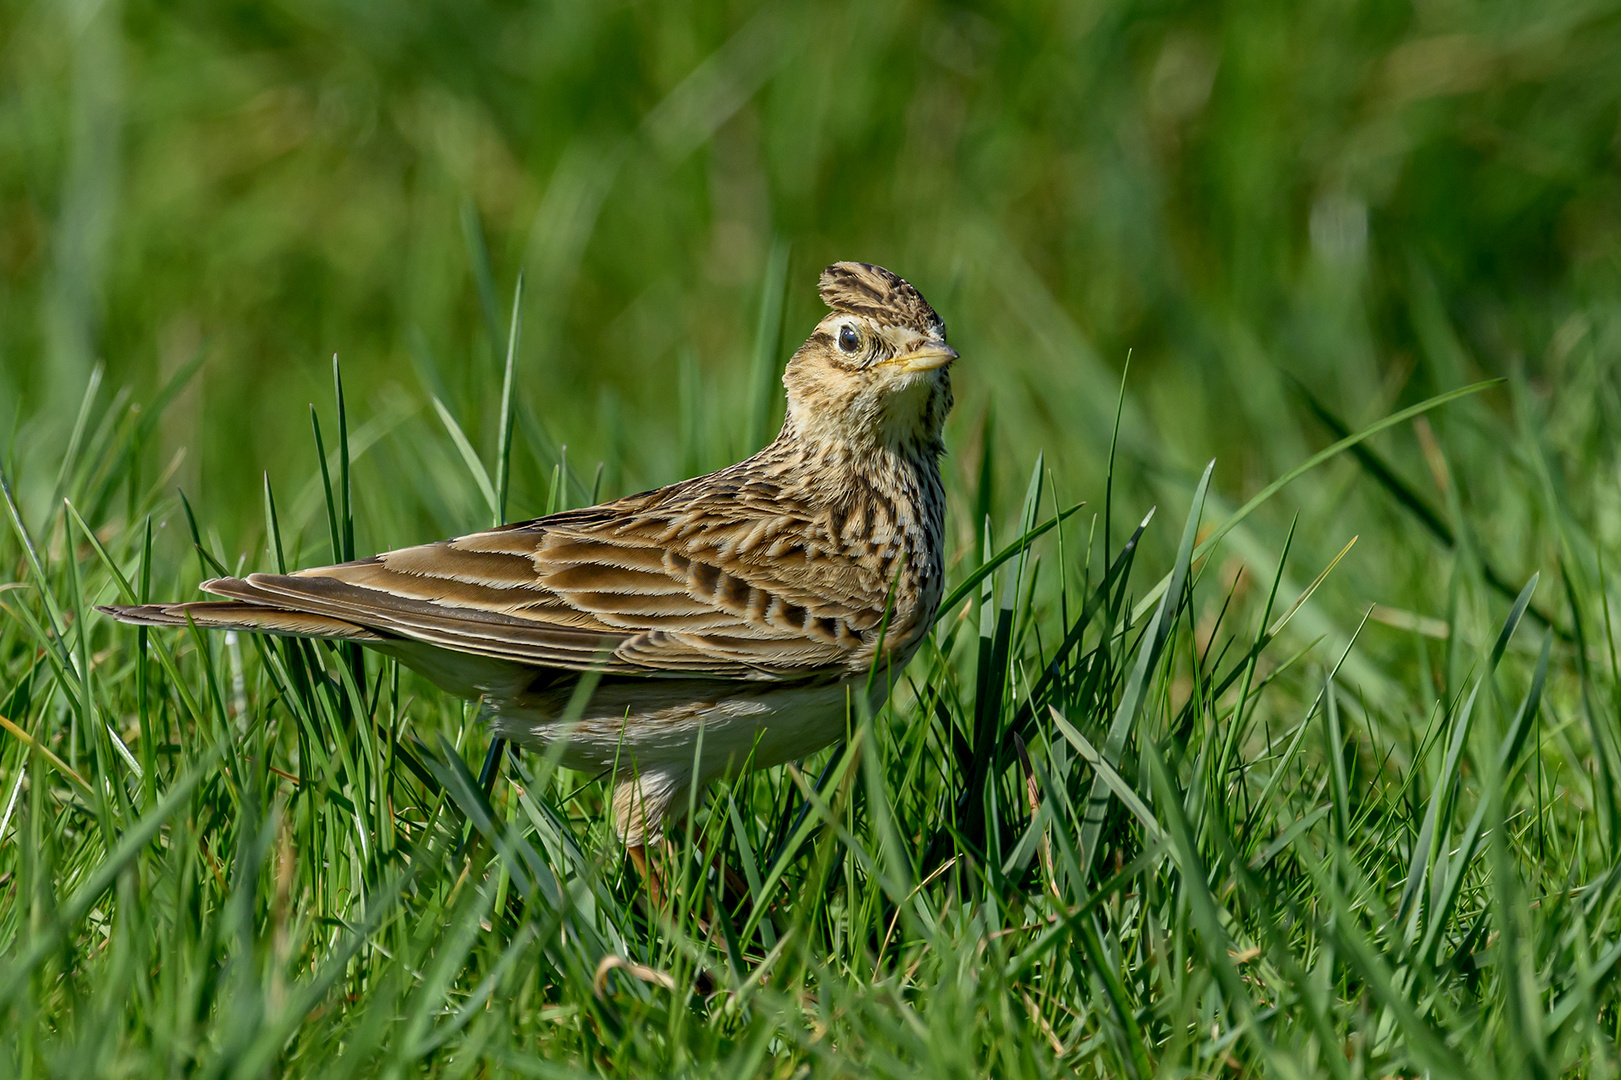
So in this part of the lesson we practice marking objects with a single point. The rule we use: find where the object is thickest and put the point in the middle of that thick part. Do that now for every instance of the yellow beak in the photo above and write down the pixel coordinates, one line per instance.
(927, 358)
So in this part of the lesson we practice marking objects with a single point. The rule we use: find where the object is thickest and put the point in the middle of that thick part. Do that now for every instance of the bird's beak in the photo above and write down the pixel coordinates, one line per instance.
(926, 358)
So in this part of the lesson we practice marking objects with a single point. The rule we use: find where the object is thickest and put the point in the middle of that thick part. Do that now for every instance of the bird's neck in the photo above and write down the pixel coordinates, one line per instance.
(895, 460)
(884, 498)
(890, 486)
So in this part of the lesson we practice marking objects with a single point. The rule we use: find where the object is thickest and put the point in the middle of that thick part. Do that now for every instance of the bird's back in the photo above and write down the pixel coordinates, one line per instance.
(777, 567)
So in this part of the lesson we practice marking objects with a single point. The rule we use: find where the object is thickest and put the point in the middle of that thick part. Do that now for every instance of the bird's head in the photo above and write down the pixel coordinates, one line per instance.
(873, 372)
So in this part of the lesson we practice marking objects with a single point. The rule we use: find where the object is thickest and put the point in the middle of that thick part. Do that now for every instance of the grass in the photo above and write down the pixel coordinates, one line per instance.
(1299, 764)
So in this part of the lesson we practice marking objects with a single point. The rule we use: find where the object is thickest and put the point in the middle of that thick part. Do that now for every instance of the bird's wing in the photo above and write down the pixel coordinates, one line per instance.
(728, 577)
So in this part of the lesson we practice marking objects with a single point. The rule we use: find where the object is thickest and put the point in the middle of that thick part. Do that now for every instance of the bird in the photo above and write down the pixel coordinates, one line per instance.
(729, 621)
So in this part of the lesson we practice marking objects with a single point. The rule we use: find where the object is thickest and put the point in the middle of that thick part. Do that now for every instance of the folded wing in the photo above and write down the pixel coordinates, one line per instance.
(725, 576)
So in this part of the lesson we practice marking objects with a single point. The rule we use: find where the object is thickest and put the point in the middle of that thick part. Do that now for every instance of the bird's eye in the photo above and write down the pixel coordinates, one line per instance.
(849, 340)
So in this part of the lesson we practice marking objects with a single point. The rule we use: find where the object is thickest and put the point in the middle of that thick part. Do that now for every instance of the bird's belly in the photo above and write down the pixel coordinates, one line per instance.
(655, 725)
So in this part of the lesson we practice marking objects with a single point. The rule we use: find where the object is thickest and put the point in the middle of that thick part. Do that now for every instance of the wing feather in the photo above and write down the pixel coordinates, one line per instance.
(720, 576)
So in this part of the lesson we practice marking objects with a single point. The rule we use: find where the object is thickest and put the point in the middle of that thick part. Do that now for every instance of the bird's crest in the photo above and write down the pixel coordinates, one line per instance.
(865, 289)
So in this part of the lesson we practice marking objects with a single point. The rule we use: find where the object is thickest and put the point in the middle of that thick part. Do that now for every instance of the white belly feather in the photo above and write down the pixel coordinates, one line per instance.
(652, 726)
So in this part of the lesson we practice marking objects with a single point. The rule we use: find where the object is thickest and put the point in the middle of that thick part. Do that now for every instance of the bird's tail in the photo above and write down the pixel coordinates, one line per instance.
(236, 615)
(460, 673)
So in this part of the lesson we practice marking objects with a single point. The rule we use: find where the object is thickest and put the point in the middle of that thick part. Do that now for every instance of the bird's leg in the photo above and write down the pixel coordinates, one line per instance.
(642, 806)
(648, 872)
(638, 816)
(492, 762)
(647, 865)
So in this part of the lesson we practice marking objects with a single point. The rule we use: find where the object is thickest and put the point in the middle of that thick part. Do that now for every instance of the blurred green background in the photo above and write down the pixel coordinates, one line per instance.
(1373, 201)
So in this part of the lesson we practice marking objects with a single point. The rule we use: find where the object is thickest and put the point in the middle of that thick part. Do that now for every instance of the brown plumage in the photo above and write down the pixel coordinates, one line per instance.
(748, 603)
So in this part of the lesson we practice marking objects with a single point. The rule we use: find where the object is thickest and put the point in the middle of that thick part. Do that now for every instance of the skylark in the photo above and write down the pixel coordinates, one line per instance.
(749, 604)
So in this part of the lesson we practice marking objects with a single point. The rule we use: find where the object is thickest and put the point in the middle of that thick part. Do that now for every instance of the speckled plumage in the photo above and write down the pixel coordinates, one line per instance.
(748, 603)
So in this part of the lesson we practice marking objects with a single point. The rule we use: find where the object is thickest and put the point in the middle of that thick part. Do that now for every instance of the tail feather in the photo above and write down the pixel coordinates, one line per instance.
(461, 673)
(255, 618)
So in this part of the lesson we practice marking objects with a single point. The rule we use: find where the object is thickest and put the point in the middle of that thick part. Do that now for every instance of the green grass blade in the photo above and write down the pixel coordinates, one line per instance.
(1469, 844)
(478, 258)
(764, 381)
(1136, 687)
(130, 845)
(333, 522)
(503, 450)
(470, 457)
(346, 508)
(1326, 454)
(1017, 547)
